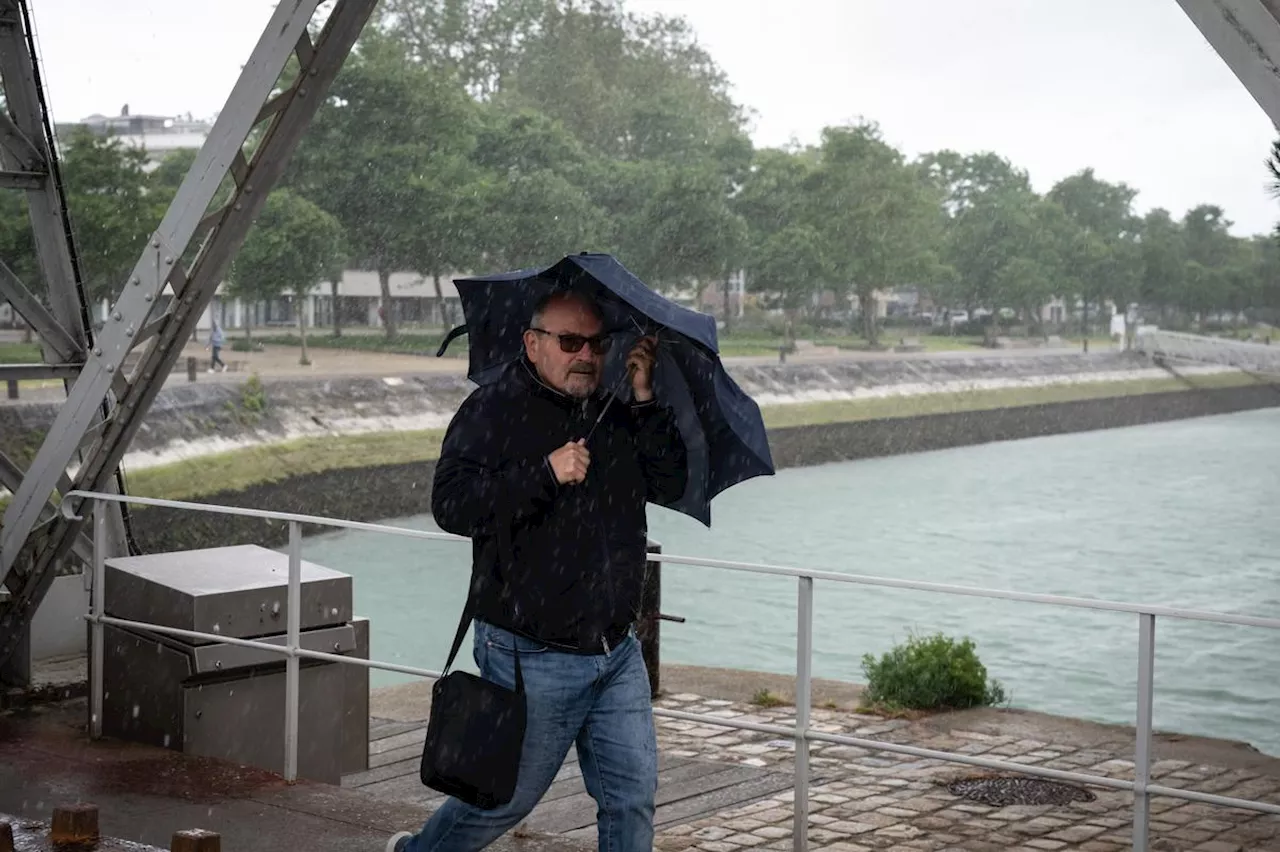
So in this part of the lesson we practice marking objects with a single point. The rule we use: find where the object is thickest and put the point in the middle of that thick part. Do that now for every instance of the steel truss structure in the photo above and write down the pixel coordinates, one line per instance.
(106, 402)
(34, 540)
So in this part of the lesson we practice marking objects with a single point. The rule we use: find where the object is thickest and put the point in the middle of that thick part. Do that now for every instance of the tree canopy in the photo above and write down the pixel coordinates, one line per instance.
(473, 135)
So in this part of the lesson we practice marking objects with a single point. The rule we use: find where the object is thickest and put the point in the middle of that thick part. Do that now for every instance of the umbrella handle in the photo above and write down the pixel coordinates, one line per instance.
(453, 335)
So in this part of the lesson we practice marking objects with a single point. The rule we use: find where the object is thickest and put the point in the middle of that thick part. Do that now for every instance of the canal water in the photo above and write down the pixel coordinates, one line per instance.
(1181, 514)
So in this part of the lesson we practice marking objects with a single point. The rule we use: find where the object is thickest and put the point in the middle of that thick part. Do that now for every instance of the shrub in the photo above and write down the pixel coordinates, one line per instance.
(765, 698)
(929, 673)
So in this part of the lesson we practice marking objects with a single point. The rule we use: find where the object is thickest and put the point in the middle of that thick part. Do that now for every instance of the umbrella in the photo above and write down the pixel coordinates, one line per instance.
(722, 428)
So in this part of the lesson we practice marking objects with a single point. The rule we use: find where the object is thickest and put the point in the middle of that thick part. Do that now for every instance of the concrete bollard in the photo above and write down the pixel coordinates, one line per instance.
(6, 837)
(74, 825)
(191, 368)
(196, 840)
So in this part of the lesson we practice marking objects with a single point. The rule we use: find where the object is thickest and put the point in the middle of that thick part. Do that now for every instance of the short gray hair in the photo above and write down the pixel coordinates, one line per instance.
(556, 296)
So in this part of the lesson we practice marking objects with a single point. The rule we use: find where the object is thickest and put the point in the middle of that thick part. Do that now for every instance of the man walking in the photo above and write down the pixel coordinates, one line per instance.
(565, 591)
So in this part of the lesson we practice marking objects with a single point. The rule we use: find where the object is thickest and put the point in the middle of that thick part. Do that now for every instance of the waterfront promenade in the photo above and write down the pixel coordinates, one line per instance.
(720, 791)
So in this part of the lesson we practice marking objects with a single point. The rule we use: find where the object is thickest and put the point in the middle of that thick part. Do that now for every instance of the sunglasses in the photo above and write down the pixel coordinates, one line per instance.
(574, 342)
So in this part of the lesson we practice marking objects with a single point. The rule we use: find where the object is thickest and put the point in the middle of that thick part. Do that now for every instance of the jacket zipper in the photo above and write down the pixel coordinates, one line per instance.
(604, 546)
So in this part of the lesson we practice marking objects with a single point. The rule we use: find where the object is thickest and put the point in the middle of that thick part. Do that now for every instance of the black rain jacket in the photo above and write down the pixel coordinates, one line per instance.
(562, 564)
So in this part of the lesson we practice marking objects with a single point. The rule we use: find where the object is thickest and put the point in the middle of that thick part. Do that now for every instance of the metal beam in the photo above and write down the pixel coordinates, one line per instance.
(127, 317)
(22, 180)
(38, 317)
(24, 152)
(1246, 34)
(163, 250)
(11, 478)
(49, 223)
(23, 372)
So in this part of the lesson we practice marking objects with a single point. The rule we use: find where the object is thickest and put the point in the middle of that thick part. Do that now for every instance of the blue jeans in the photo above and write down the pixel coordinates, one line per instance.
(599, 702)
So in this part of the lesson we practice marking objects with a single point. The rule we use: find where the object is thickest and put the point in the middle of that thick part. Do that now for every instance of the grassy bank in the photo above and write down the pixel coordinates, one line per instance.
(239, 469)
(20, 353)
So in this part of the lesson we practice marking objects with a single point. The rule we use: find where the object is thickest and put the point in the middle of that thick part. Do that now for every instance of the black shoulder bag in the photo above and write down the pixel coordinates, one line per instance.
(475, 733)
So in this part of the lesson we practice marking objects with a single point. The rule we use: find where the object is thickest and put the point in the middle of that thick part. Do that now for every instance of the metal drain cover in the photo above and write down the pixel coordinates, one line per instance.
(999, 791)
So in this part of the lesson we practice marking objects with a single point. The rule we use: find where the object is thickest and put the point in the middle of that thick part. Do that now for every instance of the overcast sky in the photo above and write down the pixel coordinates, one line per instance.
(1128, 87)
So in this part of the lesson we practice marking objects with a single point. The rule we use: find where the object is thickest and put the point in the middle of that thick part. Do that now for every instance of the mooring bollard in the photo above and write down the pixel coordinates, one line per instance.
(74, 825)
(191, 368)
(6, 837)
(650, 617)
(196, 840)
(13, 388)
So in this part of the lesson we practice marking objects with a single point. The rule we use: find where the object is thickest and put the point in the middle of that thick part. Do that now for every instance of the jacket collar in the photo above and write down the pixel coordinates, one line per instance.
(527, 376)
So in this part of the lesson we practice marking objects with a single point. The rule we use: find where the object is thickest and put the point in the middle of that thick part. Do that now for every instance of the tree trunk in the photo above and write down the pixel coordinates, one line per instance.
(337, 310)
(303, 359)
(867, 304)
(388, 315)
(1084, 325)
(444, 320)
(27, 335)
(728, 312)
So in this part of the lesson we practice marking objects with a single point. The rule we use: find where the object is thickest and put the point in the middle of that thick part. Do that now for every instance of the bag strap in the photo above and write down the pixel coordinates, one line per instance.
(469, 613)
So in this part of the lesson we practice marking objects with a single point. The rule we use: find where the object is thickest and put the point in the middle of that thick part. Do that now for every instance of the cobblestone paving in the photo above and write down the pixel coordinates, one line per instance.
(864, 800)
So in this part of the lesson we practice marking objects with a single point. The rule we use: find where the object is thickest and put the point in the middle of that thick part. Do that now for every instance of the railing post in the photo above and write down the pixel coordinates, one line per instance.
(292, 661)
(650, 619)
(98, 593)
(804, 672)
(1142, 744)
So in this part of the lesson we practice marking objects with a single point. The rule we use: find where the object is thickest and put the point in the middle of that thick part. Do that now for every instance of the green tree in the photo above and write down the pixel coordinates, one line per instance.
(1163, 261)
(111, 216)
(990, 213)
(477, 41)
(771, 195)
(880, 219)
(539, 216)
(966, 180)
(389, 145)
(629, 86)
(686, 232)
(292, 245)
(789, 268)
(1105, 256)
(18, 248)
(1210, 254)
(538, 201)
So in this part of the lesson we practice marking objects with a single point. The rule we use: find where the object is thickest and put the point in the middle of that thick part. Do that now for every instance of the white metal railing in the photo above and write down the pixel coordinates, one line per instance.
(1141, 786)
(1253, 357)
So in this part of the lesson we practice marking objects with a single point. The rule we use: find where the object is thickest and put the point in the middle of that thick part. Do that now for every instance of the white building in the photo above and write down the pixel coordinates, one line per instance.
(158, 135)
(359, 301)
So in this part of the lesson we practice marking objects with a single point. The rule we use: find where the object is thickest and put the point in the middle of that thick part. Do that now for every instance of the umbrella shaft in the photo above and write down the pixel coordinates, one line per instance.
(613, 393)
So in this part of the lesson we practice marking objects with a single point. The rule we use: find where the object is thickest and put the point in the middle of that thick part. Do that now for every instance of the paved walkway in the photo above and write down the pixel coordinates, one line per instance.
(145, 794)
(863, 800)
(281, 362)
(875, 800)
(859, 800)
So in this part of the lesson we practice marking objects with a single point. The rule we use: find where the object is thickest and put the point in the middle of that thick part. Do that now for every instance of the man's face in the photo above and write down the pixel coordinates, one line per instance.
(574, 373)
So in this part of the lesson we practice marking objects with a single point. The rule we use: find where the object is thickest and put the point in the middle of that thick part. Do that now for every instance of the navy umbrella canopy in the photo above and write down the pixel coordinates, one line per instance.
(721, 426)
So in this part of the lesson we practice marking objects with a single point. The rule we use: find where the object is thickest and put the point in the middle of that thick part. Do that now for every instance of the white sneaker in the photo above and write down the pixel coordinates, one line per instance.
(397, 841)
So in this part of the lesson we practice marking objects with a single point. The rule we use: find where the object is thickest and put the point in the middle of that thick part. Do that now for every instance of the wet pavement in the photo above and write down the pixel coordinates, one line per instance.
(860, 801)
(146, 794)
